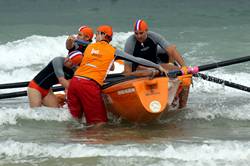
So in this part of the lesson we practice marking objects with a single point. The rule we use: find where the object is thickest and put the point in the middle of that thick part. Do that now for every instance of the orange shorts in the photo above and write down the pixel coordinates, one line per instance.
(34, 85)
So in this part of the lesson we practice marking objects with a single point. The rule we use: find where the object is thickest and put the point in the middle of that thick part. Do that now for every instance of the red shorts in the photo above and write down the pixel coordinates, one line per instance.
(84, 97)
(34, 85)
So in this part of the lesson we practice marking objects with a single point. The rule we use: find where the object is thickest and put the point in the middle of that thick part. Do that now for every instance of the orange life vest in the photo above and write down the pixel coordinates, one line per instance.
(97, 61)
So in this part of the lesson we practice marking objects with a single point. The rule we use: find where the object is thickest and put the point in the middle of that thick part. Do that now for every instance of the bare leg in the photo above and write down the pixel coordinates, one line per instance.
(61, 99)
(97, 125)
(50, 100)
(35, 97)
(183, 97)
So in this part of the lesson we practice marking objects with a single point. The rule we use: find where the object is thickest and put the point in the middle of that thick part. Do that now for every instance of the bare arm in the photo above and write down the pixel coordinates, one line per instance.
(70, 42)
(174, 55)
(127, 67)
(64, 82)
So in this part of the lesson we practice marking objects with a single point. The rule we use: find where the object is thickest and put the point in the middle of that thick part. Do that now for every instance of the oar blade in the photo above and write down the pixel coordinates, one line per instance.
(222, 82)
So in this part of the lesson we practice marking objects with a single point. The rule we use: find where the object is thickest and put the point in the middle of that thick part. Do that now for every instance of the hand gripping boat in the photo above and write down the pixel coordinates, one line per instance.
(142, 100)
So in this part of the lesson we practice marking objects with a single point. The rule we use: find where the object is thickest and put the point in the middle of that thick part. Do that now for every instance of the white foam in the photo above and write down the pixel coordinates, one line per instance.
(120, 38)
(21, 60)
(234, 112)
(11, 115)
(241, 78)
(118, 68)
(207, 151)
(32, 50)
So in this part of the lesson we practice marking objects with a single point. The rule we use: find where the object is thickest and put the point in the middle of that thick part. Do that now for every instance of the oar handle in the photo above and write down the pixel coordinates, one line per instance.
(223, 63)
(24, 93)
(14, 85)
(196, 69)
(13, 94)
(25, 84)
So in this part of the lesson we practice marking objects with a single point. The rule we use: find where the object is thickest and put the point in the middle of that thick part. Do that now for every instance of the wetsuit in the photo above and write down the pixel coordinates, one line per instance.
(48, 77)
(152, 49)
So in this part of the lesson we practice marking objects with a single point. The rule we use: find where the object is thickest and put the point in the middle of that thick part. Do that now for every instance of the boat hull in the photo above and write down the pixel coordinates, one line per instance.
(141, 100)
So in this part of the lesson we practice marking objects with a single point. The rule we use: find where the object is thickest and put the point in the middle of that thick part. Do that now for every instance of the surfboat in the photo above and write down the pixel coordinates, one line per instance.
(144, 99)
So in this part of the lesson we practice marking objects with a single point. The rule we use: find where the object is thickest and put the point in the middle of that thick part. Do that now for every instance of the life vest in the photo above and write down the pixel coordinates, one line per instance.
(97, 61)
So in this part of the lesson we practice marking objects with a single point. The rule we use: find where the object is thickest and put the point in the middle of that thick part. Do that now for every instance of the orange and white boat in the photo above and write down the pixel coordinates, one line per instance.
(140, 98)
(144, 99)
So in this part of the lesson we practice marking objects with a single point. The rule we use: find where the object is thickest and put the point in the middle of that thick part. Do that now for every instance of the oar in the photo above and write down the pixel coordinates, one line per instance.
(221, 81)
(196, 69)
(14, 85)
(191, 70)
(110, 80)
(24, 93)
(25, 84)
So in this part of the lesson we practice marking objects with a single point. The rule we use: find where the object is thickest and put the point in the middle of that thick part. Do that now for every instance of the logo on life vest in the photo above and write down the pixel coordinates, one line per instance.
(94, 52)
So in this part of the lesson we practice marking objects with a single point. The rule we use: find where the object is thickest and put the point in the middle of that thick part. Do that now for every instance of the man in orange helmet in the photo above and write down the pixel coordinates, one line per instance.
(81, 40)
(153, 47)
(59, 70)
(84, 93)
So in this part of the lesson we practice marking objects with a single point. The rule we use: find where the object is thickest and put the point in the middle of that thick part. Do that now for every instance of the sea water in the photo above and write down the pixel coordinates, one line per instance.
(214, 129)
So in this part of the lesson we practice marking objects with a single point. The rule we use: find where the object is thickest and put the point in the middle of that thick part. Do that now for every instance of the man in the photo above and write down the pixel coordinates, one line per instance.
(59, 70)
(153, 47)
(81, 40)
(84, 93)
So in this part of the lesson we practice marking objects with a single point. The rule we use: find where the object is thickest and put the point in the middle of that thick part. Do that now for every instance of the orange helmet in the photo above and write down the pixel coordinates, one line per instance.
(75, 57)
(87, 31)
(140, 25)
(106, 29)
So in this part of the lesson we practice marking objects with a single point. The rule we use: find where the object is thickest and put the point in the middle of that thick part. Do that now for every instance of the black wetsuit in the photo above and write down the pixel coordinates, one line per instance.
(152, 49)
(50, 74)
(146, 50)
(55, 69)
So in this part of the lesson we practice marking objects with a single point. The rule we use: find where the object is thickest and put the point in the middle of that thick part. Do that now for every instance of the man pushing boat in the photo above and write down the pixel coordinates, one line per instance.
(59, 70)
(153, 47)
(84, 92)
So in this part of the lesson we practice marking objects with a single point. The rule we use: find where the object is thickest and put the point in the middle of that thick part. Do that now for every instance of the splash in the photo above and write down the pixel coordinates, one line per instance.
(12, 115)
(21, 60)
(210, 151)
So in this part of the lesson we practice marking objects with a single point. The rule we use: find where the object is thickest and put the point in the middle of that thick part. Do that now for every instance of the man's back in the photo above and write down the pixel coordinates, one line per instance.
(97, 61)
